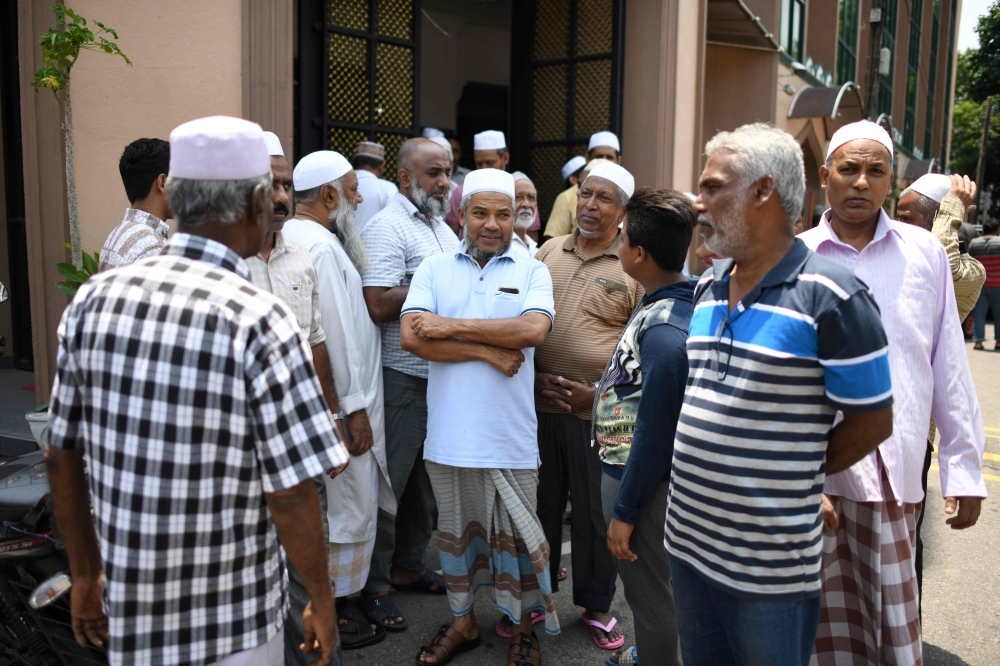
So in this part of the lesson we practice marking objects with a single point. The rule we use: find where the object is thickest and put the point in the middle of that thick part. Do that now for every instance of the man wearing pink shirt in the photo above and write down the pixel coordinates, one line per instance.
(870, 592)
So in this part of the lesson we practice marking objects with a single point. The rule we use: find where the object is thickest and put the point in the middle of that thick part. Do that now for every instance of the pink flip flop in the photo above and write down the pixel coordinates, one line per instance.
(611, 645)
(536, 617)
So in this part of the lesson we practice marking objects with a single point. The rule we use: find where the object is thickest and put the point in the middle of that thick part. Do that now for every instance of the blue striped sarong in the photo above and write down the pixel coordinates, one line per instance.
(489, 535)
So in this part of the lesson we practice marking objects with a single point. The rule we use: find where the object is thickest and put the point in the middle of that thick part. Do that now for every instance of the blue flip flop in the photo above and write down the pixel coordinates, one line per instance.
(629, 657)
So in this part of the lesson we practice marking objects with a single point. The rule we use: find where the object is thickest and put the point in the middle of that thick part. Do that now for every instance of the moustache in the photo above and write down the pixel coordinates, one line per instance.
(281, 208)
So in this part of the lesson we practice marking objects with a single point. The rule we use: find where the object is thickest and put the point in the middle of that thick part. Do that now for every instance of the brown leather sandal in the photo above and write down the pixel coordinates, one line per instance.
(447, 644)
(524, 651)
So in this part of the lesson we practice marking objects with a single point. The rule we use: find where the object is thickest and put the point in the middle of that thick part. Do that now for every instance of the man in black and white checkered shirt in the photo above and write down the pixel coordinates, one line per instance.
(192, 396)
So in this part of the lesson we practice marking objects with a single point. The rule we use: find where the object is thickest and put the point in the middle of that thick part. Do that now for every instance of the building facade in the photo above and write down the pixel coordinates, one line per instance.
(665, 75)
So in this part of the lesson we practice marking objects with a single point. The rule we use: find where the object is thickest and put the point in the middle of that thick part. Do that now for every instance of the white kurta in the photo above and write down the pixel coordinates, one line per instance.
(355, 349)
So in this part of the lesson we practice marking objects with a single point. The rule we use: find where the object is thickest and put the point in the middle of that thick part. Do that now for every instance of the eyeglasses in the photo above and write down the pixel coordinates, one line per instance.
(719, 366)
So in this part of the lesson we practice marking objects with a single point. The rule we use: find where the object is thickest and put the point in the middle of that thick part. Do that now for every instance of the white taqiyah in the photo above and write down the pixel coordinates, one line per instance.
(488, 180)
(573, 166)
(218, 148)
(319, 168)
(444, 143)
(520, 175)
(863, 129)
(933, 185)
(615, 173)
(431, 132)
(273, 145)
(489, 140)
(604, 139)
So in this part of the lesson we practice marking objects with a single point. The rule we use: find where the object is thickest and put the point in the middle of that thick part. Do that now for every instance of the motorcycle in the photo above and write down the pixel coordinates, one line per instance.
(35, 623)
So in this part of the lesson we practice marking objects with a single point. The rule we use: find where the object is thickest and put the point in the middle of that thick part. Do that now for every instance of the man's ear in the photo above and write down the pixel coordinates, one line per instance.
(161, 184)
(403, 178)
(504, 160)
(824, 175)
(329, 196)
(765, 188)
(618, 159)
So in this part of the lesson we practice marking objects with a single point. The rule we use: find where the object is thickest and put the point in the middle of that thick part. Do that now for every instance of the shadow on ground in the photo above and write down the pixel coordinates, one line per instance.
(935, 656)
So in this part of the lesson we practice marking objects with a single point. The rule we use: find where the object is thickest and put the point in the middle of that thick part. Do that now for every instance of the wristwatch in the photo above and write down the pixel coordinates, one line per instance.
(339, 416)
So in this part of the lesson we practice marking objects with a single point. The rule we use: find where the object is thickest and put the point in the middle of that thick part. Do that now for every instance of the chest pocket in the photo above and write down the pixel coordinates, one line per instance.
(301, 304)
(608, 301)
(504, 306)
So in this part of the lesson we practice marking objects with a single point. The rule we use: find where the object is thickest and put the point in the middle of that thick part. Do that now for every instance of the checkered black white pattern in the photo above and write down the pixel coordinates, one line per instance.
(193, 394)
(397, 240)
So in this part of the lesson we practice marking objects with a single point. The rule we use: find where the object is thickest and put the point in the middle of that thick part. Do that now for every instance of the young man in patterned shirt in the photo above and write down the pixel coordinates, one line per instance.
(635, 414)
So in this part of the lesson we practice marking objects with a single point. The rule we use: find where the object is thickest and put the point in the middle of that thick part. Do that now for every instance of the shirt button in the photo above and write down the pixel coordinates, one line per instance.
(480, 279)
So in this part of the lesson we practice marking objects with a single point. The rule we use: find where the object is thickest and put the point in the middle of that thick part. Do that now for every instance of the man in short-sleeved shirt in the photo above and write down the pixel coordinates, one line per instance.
(471, 313)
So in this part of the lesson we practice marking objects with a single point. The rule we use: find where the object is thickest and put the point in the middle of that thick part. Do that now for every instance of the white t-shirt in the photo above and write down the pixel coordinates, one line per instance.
(377, 194)
(476, 415)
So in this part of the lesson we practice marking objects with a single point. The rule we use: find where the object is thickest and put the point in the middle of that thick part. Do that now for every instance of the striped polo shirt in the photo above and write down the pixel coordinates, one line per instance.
(765, 383)
(987, 250)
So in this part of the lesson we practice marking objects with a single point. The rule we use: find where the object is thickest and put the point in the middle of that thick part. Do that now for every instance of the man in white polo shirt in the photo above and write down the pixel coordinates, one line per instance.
(476, 316)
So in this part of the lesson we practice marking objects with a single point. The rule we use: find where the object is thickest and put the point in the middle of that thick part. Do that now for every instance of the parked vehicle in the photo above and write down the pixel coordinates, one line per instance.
(35, 625)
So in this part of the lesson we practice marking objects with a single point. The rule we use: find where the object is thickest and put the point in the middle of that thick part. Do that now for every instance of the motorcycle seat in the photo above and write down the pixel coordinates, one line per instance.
(24, 481)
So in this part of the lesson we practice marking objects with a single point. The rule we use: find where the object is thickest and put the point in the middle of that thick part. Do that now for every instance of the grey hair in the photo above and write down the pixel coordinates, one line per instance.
(464, 204)
(622, 197)
(924, 205)
(310, 195)
(195, 202)
(760, 150)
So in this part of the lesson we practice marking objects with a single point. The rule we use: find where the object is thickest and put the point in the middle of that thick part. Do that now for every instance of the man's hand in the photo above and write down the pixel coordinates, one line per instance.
(968, 508)
(830, 519)
(566, 394)
(361, 433)
(429, 326)
(507, 361)
(619, 534)
(337, 471)
(965, 190)
(89, 621)
(319, 629)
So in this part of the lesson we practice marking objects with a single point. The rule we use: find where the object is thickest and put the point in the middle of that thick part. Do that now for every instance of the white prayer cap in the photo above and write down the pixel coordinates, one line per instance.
(218, 148)
(592, 163)
(273, 145)
(489, 140)
(444, 143)
(573, 166)
(863, 129)
(520, 175)
(319, 168)
(431, 132)
(933, 185)
(488, 180)
(615, 173)
(604, 139)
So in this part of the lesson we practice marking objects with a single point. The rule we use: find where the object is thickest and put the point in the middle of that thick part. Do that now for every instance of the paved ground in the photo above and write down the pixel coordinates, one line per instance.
(961, 580)
(17, 396)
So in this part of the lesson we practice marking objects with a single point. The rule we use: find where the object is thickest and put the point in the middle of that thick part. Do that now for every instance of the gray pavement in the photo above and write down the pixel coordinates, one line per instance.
(961, 582)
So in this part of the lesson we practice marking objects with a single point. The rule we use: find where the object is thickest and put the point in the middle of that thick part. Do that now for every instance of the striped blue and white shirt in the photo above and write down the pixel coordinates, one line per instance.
(765, 383)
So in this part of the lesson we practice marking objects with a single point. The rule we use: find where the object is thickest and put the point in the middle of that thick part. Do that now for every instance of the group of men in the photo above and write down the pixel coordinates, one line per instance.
(285, 383)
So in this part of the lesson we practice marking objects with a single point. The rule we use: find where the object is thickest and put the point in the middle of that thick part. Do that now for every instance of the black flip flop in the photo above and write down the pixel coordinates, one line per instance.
(425, 584)
(382, 608)
(355, 635)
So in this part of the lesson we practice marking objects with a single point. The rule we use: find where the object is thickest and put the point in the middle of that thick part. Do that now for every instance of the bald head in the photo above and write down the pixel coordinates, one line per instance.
(422, 168)
(416, 149)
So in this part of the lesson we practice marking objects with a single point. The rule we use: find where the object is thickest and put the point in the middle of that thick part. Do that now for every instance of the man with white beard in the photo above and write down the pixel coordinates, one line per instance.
(526, 203)
(326, 200)
(397, 240)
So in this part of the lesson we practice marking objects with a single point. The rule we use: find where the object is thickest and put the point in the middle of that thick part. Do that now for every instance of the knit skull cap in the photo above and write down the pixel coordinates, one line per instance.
(218, 148)
(573, 166)
(488, 180)
(370, 149)
(863, 129)
(604, 139)
(444, 143)
(933, 185)
(273, 145)
(615, 173)
(319, 168)
(431, 132)
(520, 175)
(489, 140)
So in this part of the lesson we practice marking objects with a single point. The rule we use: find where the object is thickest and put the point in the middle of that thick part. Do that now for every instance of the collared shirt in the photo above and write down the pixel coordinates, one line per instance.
(986, 249)
(908, 273)
(137, 236)
(289, 274)
(765, 381)
(376, 192)
(476, 415)
(594, 299)
(526, 247)
(397, 240)
(966, 273)
(562, 219)
(193, 394)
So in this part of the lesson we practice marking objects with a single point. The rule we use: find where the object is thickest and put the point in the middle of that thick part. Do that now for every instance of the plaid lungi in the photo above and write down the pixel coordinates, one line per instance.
(349, 564)
(489, 535)
(870, 609)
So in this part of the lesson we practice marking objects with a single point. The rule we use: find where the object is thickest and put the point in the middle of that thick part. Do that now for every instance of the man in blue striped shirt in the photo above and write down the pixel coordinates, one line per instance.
(781, 340)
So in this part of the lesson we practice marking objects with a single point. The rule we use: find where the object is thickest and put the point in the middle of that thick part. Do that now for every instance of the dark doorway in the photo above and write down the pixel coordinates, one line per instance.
(482, 106)
(18, 340)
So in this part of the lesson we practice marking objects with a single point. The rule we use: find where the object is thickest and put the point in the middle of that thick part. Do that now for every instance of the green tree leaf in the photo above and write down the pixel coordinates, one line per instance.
(71, 272)
(68, 287)
(89, 265)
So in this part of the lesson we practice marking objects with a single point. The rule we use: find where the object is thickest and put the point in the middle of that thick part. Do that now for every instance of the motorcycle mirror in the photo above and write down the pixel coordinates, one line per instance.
(50, 590)
(3, 293)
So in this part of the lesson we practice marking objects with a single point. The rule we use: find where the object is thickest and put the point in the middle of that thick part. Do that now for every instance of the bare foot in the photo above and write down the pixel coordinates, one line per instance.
(604, 637)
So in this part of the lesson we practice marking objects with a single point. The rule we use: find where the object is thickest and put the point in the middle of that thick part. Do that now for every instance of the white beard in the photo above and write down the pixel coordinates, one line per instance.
(427, 204)
(525, 218)
(730, 237)
(342, 224)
